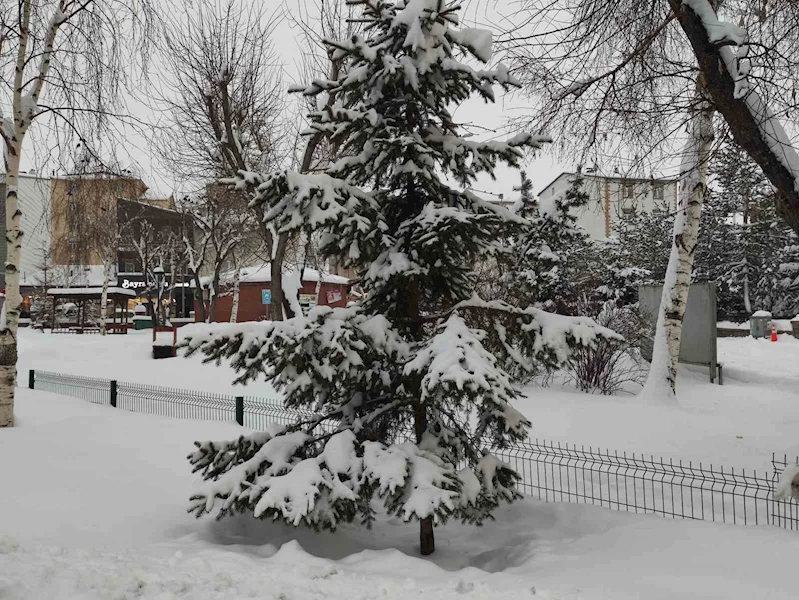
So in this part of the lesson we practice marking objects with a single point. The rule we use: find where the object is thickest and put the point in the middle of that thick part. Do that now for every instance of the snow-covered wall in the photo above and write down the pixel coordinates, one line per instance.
(610, 198)
(34, 200)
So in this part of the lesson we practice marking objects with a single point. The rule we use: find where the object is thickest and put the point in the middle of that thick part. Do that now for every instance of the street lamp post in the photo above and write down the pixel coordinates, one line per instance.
(159, 281)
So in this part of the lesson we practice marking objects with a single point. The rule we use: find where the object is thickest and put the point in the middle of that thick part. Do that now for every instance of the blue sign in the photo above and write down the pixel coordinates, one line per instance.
(266, 296)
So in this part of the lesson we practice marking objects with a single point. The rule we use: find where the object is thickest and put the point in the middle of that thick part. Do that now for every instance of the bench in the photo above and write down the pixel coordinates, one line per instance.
(85, 329)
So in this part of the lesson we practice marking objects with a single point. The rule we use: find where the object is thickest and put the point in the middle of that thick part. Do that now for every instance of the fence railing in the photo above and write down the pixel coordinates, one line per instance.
(552, 472)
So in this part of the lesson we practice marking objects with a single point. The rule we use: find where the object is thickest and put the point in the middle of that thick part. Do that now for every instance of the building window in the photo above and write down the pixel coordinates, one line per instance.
(628, 190)
(73, 222)
(657, 190)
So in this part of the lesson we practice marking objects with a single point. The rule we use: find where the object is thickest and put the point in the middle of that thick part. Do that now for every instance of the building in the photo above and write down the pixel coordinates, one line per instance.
(255, 295)
(34, 193)
(611, 198)
(152, 241)
(72, 222)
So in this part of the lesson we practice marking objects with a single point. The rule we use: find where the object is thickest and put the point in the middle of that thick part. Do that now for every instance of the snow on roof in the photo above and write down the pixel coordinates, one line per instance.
(262, 274)
(613, 177)
(76, 276)
(89, 291)
(761, 313)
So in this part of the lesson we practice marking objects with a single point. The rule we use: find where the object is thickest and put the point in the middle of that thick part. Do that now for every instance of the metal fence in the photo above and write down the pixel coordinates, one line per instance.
(556, 472)
(91, 389)
(552, 472)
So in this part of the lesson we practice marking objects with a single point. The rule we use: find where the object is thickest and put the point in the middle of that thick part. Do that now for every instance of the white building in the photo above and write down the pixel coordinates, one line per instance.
(34, 193)
(613, 197)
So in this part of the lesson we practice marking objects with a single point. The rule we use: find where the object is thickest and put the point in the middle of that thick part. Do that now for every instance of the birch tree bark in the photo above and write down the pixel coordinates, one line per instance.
(24, 108)
(661, 382)
(234, 310)
(107, 261)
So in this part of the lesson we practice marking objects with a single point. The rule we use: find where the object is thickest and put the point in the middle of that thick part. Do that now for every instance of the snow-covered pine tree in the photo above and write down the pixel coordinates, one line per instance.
(613, 273)
(546, 255)
(408, 401)
(747, 248)
(527, 205)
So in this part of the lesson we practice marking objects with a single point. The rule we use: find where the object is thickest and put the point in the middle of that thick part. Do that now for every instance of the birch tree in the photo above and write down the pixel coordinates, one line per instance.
(662, 381)
(624, 76)
(62, 61)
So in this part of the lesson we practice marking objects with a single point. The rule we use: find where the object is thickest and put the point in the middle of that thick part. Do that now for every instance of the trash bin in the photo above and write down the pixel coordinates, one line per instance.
(141, 320)
(140, 323)
(760, 324)
(795, 326)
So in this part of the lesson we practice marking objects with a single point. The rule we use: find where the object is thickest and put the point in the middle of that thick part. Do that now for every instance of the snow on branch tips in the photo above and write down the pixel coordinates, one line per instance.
(403, 394)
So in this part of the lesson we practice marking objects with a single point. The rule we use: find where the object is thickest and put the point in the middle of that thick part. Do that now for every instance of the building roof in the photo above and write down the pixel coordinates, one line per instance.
(23, 175)
(90, 292)
(154, 204)
(611, 178)
(263, 274)
(77, 276)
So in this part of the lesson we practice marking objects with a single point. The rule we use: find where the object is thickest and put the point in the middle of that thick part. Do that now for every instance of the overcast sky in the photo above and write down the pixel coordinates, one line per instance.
(139, 149)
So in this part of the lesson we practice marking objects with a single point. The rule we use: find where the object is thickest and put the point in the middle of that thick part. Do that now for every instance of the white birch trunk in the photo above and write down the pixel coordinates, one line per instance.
(104, 294)
(661, 383)
(234, 310)
(23, 111)
(13, 299)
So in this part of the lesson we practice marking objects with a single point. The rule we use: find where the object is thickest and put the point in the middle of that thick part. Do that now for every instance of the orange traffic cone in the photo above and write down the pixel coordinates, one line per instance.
(773, 332)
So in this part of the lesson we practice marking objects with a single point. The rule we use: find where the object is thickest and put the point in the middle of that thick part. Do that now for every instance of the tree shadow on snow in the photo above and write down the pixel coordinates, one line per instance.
(519, 532)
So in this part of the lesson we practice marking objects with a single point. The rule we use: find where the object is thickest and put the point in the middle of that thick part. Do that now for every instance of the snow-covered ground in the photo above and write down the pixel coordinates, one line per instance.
(93, 503)
(126, 358)
(93, 499)
(738, 424)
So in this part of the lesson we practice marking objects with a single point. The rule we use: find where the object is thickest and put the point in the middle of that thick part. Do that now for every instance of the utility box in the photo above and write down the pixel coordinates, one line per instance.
(698, 339)
(760, 324)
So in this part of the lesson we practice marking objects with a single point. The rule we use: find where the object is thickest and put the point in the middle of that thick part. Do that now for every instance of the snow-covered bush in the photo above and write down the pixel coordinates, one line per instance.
(408, 398)
(610, 364)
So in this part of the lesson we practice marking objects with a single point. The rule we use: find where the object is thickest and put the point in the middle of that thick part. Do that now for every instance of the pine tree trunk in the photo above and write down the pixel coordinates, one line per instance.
(427, 540)
(234, 310)
(661, 382)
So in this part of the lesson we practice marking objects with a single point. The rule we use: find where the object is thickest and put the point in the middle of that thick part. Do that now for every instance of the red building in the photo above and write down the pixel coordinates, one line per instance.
(255, 294)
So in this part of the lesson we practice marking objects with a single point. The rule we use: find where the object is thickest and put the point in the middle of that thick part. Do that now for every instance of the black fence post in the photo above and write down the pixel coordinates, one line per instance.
(114, 393)
(240, 410)
(31, 378)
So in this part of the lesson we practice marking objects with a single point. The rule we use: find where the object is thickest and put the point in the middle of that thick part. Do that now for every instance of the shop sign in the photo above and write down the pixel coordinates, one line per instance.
(132, 283)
